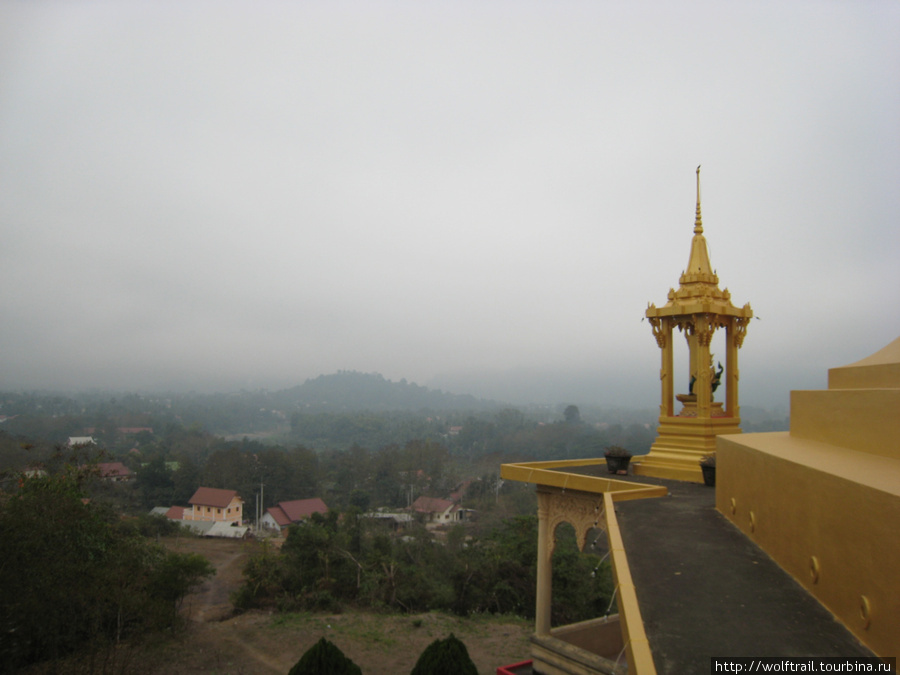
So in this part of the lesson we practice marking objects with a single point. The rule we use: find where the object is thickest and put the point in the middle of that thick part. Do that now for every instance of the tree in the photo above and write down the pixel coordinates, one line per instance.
(155, 483)
(185, 479)
(332, 560)
(510, 420)
(582, 583)
(73, 579)
(324, 658)
(230, 468)
(572, 414)
(305, 470)
(445, 657)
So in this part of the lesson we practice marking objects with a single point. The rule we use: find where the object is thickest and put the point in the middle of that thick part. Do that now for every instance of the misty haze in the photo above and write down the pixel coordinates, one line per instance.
(321, 269)
(479, 199)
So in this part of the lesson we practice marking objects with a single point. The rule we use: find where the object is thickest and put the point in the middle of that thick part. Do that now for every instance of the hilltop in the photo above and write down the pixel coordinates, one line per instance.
(346, 391)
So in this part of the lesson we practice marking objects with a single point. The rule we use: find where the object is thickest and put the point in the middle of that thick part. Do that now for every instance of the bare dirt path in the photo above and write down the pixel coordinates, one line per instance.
(212, 601)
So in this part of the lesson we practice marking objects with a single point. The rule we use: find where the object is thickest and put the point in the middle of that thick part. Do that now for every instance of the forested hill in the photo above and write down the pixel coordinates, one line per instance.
(354, 391)
(56, 416)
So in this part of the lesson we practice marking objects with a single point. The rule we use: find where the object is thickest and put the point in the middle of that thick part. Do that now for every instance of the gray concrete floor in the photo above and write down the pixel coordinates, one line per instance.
(705, 590)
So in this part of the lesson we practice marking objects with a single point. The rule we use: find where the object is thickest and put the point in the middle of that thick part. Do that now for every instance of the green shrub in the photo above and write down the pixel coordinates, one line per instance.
(153, 525)
(324, 658)
(445, 657)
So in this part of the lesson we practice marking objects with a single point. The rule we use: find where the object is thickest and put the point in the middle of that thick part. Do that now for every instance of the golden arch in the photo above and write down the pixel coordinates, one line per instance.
(583, 512)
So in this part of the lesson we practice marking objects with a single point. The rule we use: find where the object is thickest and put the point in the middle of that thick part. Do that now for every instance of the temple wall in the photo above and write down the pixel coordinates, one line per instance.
(867, 420)
(828, 515)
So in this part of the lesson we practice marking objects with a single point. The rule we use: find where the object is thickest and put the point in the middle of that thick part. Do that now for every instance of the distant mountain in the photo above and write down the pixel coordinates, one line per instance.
(614, 386)
(354, 391)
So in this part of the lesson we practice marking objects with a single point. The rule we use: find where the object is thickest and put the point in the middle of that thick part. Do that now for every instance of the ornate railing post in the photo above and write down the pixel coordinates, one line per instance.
(544, 566)
(584, 512)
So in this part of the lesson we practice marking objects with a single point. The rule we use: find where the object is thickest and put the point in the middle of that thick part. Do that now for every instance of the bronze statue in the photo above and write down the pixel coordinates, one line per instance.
(717, 377)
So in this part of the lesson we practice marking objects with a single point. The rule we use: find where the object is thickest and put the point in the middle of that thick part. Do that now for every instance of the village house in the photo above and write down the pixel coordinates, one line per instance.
(392, 519)
(125, 431)
(204, 528)
(214, 504)
(438, 511)
(283, 514)
(114, 471)
(173, 512)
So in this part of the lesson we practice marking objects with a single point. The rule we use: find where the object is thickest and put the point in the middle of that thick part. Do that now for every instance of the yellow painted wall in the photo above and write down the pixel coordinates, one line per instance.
(830, 516)
(867, 420)
(864, 376)
(217, 514)
(824, 499)
(881, 370)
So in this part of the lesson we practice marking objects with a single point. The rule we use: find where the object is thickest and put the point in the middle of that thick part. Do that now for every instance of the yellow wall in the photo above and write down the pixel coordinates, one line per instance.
(881, 370)
(811, 500)
(867, 420)
(824, 499)
(217, 514)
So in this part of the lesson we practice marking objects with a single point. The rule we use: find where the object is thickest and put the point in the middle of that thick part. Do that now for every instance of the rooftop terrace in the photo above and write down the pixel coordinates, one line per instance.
(706, 590)
(703, 588)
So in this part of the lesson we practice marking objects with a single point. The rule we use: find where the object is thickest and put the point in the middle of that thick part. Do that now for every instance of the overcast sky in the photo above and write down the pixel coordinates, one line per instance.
(217, 195)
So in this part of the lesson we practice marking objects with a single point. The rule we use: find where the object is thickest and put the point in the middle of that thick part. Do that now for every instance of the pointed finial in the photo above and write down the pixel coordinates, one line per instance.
(698, 221)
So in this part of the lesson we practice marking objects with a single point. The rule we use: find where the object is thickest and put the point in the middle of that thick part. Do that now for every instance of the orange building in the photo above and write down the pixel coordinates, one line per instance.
(216, 505)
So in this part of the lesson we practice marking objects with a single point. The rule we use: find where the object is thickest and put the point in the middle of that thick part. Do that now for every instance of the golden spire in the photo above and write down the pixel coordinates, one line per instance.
(698, 268)
(698, 221)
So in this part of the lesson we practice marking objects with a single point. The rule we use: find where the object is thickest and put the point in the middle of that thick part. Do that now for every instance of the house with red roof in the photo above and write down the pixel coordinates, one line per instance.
(175, 512)
(214, 504)
(114, 471)
(284, 514)
(437, 510)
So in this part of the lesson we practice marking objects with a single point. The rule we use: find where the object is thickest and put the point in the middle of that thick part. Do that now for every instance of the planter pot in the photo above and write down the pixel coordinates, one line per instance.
(618, 464)
(709, 475)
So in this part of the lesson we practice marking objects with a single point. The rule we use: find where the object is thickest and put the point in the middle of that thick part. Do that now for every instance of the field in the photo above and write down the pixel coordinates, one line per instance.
(218, 641)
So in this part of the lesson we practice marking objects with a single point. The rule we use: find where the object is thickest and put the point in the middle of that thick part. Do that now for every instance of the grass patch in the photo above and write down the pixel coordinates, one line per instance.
(367, 629)
(385, 630)
(292, 620)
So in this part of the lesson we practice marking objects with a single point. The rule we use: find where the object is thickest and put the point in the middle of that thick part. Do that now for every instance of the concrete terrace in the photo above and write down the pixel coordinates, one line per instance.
(705, 590)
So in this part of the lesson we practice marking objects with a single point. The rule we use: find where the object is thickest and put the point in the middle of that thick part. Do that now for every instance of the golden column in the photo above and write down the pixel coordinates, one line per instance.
(544, 570)
(698, 308)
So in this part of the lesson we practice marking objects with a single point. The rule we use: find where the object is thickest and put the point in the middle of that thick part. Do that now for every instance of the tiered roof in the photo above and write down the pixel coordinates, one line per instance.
(698, 291)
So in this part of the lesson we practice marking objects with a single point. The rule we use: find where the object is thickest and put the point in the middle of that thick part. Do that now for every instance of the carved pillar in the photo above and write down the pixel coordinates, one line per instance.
(694, 370)
(544, 566)
(662, 331)
(730, 371)
(703, 386)
(738, 331)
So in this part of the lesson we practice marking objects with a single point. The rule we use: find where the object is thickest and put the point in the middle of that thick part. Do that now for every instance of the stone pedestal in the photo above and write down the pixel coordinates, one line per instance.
(689, 407)
(681, 443)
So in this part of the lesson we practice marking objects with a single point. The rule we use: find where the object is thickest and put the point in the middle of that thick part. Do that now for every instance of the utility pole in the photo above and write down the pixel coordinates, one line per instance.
(259, 503)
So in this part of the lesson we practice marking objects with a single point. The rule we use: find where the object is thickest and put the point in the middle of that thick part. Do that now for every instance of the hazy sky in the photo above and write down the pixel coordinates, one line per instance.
(219, 195)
